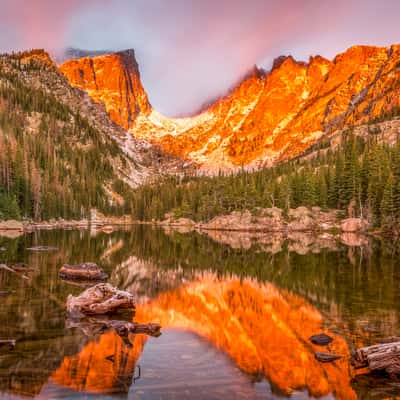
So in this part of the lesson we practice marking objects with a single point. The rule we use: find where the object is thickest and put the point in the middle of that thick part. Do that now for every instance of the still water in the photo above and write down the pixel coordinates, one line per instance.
(236, 314)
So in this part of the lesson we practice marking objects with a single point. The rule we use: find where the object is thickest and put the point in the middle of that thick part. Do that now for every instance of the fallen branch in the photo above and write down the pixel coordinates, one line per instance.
(99, 299)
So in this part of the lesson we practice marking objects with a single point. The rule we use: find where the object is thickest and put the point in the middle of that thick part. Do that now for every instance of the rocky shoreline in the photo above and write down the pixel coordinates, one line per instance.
(13, 228)
(273, 220)
(265, 220)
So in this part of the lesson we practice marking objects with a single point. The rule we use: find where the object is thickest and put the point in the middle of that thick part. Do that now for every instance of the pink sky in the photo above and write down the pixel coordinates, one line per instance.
(192, 50)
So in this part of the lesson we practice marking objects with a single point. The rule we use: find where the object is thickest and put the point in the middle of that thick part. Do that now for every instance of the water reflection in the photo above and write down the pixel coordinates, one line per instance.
(263, 329)
(254, 301)
(105, 365)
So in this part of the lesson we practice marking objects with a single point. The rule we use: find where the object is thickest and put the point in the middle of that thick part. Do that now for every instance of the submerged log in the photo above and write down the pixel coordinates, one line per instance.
(94, 326)
(99, 299)
(380, 357)
(84, 271)
(42, 248)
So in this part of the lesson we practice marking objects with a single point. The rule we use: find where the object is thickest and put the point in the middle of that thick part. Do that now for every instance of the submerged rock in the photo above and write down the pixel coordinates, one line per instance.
(84, 271)
(327, 357)
(321, 340)
(21, 267)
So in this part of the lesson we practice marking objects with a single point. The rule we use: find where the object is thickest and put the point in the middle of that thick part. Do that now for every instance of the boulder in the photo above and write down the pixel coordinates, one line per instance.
(85, 271)
(265, 220)
(301, 219)
(353, 225)
(11, 225)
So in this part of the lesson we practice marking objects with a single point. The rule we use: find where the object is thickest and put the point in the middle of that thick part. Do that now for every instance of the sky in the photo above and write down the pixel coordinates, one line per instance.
(191, 51)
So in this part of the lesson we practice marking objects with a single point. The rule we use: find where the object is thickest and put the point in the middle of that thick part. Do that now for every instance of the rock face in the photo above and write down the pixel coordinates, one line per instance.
(113, 79)
(267, 117)
(11, 225)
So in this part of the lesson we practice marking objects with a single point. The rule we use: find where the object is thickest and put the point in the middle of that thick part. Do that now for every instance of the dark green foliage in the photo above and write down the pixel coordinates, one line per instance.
(53, 163)
(360, 177)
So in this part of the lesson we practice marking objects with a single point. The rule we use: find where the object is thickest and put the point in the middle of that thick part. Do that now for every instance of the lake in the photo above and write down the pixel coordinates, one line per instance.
(236, 310)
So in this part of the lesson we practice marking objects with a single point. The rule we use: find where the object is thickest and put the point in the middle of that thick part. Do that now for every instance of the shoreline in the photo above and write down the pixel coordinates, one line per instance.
(300, 220)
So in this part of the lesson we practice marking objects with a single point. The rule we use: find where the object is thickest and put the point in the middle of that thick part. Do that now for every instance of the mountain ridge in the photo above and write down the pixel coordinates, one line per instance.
(269, 116)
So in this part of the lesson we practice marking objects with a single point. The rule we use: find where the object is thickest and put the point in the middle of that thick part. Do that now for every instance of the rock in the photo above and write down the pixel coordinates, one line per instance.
(107, 229)
(353, 239)
(301, 219)
(321, 340)
(353, 225)
(11, 225)
(327, 357)
(85, 271)
(265, 220)
(98, 300)
(21, 267)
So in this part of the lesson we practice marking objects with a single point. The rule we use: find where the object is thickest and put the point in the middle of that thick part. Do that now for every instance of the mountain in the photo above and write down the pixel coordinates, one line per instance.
(71, 53)
(268, 117)
(60, 153)
(113, 79)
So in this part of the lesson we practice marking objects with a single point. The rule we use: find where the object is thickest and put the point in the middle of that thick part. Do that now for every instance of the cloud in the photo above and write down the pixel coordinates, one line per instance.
(192, 50)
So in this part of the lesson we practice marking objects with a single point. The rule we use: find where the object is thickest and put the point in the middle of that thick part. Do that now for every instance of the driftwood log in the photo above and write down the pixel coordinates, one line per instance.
(380, 357)
(98, 300)
(82, 272)
(7, 344)
(42, 248)
(94, 326)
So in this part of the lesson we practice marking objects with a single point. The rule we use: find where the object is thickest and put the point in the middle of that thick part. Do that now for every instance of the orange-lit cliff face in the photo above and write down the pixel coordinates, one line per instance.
(266, 118)
(113, 79)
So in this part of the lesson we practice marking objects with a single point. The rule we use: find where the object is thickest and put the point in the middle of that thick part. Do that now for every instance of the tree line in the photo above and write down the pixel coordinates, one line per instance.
(53, 163)
(361, 177)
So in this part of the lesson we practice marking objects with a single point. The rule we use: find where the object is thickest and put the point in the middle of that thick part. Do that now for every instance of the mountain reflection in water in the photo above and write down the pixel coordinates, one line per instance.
(235, 319)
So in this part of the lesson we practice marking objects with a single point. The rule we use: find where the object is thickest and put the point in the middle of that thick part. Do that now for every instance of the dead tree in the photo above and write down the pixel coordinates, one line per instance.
(380, 357)
(98, 300)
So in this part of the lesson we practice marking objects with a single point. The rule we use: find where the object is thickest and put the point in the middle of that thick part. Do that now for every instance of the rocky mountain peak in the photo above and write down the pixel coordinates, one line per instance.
(113, 79)
(38, 56)
(265, 118)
